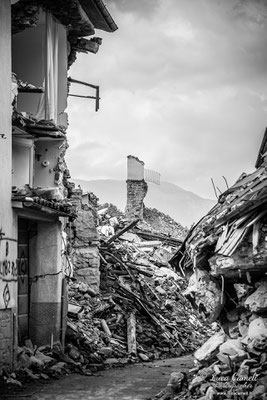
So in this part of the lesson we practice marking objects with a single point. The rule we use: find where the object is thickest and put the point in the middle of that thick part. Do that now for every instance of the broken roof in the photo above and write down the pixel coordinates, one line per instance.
(262, 151)
(25, 126)
(239, 211)
(99, 15)
(80, 16)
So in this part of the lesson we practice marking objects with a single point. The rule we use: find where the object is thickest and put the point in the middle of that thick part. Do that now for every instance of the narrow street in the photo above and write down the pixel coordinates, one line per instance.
(133, 382)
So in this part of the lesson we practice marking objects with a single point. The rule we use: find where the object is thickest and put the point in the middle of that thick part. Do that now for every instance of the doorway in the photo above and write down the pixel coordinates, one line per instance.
(26, 229)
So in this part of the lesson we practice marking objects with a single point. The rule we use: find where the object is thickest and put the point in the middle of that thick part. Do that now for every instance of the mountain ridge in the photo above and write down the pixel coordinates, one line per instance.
(182, 205)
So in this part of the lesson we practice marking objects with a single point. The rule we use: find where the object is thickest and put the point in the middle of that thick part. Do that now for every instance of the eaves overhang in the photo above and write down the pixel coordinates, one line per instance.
(50, 208)
(99, 15)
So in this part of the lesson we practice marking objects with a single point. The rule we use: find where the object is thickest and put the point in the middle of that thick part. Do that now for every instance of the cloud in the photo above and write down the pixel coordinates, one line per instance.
(183, 86)
(142, 9)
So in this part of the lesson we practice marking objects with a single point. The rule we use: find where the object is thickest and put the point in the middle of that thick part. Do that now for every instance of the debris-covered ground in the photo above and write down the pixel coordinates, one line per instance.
(140, 313)
(225, 256)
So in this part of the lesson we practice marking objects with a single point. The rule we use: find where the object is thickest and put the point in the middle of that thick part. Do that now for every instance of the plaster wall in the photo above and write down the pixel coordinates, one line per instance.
(22, 162)
(47, 152)
(8, 247)
(46, 283)
(135, 168)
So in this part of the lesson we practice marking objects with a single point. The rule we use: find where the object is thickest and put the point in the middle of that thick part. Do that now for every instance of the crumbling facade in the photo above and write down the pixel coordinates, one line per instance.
(136, 188)
(225, 255)
(38, 41)
(84, 240)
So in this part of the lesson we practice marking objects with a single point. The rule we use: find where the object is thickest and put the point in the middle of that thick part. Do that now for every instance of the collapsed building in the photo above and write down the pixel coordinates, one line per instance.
(224, 258)
(38, 43)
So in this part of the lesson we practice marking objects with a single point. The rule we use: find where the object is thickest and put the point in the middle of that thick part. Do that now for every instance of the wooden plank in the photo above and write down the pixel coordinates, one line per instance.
(131, 334)
(157, 236)
(222, 238)
(243, 182)
(149, 243)
(246, 194)
(247, 206)
(255, 237)
(118, 234)
(232, 243)
(105, 327)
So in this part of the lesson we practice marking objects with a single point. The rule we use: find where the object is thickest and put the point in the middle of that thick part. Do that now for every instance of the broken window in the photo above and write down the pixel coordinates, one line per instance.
(39, 58)
(96, 97)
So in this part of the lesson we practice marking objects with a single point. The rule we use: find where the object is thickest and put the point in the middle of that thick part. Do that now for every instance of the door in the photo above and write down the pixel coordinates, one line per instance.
(23, 280)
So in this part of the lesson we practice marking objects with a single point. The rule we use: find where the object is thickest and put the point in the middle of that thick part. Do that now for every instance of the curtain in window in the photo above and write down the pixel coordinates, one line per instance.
(48, 104)
(51, 79)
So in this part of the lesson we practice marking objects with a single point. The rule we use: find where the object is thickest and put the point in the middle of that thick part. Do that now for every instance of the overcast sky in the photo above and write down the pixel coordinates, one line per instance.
(183, 86)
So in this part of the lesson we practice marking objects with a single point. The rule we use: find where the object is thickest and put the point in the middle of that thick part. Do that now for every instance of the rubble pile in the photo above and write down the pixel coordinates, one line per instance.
(225, 256)
(140, 313)
(161, 222)
(229, 366)
(154, 222)
(37, 364)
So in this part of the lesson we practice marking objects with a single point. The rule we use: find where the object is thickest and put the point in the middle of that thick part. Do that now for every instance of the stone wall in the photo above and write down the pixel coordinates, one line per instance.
(85, 242)
(136, 192)
(136, 188)
(6, 338)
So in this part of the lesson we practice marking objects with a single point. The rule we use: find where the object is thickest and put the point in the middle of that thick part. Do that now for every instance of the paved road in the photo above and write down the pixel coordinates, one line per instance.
(133, 382)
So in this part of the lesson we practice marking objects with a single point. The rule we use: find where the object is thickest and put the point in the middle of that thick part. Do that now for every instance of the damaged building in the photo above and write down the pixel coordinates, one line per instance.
(224, 256)
(225, 252)
(39, 42)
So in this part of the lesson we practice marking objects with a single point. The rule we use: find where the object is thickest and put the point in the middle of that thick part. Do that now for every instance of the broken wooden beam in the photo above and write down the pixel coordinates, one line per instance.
(131, 334)
(105, 327)
(149, 243)
(121, 232)
(157, 236)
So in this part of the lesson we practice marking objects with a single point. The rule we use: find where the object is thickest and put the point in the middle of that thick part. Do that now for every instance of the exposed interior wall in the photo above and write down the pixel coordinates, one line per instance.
(135, 168)
(8, 248)
(46, 277)
(47, 154)
(29, 63)
(22, 162)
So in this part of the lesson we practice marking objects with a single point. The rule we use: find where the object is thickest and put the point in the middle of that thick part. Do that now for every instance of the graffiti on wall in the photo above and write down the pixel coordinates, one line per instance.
(8, 269)
(6, 295)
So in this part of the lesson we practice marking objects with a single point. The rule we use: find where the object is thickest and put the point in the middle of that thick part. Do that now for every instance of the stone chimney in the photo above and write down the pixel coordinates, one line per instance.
(136, 188)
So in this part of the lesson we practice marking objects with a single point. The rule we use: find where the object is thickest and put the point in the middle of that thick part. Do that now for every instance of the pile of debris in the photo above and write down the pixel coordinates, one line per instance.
(225, 256)
(163, 223)
(37, 364)
(154, 222)
(140, 313)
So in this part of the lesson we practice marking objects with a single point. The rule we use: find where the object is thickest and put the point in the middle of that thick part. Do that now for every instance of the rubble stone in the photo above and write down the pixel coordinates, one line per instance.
(232, 347)
(206, 294)
(257, 328)
(242, 289)
(143, 357)
(257, 301)
(210, 348)
(24, 360)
